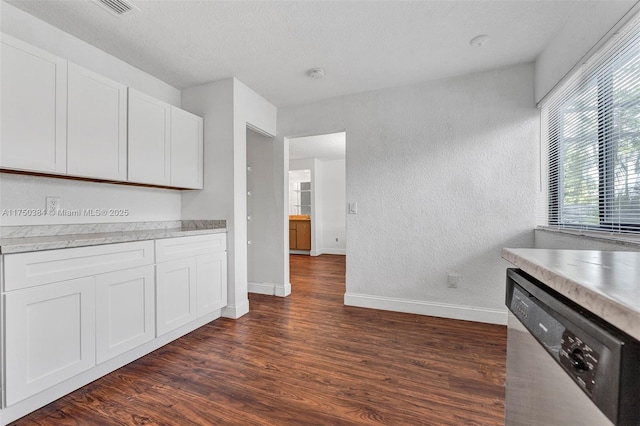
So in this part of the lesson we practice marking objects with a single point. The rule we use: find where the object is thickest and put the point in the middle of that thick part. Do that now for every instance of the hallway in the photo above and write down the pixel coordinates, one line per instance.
(305, 360)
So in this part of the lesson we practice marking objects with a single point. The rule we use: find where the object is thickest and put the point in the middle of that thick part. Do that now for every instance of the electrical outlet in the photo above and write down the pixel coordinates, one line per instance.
(52, 205)
(453, 280)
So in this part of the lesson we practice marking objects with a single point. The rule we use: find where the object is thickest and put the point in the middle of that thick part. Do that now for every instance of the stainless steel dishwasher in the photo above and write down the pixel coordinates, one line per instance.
(565, 366)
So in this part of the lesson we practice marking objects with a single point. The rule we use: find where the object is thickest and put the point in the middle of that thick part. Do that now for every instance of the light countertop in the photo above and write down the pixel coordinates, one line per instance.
(607, 283)
(19, 239)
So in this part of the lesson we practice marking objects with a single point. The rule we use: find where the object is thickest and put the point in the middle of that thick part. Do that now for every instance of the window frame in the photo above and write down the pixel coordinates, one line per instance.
(607, 147)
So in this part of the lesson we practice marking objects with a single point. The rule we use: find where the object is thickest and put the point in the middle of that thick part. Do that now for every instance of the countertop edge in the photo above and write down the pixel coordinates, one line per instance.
(610, 310)
(86, 240)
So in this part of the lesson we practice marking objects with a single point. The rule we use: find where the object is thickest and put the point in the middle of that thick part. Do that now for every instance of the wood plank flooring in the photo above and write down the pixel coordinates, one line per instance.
(305, 360)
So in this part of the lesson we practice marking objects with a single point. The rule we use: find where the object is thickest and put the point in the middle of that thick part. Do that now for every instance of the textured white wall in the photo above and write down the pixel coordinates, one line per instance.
(443, 173)
(18, 191)
(332, 175)
(589, 22)
(29, 192)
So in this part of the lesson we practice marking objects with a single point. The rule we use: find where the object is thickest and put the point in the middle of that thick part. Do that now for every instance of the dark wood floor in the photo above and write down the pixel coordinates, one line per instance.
(305, 360)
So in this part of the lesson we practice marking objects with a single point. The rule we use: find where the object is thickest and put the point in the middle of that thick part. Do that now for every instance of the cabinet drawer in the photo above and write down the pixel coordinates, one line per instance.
(182, 247)
(23, 270)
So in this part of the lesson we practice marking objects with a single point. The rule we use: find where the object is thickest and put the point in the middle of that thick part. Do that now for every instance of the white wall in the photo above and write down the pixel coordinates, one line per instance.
(263, 268)
(443, 173)
(29, 192)
(229, 107)
(328, 219)
(18, 191)
(332, 204)
(588, 23)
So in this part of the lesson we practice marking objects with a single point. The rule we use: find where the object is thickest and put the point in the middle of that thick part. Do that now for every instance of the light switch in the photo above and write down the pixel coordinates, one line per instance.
(353, 208)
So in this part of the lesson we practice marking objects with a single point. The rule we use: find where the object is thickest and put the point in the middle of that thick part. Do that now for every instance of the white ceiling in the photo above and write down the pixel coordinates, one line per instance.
(269, 45)
(323, 147)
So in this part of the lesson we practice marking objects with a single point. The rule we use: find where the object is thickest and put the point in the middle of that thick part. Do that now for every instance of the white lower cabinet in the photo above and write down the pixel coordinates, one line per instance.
(125, 317)
(69, 316)
(191, 279)
(211, 282)
(50, 336)
(175, 294)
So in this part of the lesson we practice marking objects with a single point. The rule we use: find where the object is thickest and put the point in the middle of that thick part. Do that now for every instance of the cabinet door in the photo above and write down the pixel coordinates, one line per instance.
(97, 126)
(125, 314)
(175, 294)
(293, 238)
(148, 140)
(50, 336)
(303, 235)
(34, 108)
(186, 149)
(212, 282)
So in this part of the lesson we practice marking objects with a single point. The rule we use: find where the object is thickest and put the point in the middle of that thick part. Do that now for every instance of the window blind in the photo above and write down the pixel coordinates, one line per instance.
(592, 130)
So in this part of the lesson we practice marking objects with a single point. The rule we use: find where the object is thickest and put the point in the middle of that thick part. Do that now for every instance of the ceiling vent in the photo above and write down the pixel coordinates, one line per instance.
(118, 8)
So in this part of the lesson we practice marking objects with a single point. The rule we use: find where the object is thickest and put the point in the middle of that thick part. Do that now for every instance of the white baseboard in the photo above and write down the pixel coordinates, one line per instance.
(420, 307)
(333, 251)
(307, 252)
(262, 288)
(319, 252)
(236, 311)
(283, 290)
(280, 290)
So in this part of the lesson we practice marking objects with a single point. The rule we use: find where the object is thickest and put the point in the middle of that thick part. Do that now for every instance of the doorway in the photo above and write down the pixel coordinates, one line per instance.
(317, 193)
(263, 272)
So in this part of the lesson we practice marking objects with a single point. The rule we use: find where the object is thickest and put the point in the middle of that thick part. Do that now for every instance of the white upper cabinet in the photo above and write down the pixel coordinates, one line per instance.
(34, 108)
(186, 149)
(60, 118)
(149, 141)
(97, 126)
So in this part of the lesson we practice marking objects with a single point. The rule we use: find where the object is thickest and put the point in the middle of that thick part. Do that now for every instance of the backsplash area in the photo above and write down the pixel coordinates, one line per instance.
(23, 201)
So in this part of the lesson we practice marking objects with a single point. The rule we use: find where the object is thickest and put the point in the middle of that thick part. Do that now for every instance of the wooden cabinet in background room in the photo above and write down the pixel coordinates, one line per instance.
(300, 234)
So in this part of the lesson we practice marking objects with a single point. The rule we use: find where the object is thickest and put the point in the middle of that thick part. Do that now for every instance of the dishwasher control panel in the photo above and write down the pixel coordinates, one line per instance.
(601, 360)
(580, 360)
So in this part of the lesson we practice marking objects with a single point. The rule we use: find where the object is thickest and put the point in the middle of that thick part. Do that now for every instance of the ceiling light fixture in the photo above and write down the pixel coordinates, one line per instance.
(316, 73)
(479, 41)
